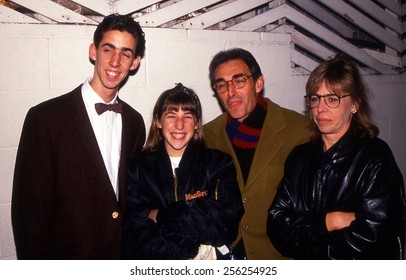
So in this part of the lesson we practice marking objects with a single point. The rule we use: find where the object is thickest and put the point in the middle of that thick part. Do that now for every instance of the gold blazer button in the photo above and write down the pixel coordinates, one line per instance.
(114, 215)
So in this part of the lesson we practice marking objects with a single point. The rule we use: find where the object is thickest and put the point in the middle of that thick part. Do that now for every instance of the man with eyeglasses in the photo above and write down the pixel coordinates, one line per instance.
(259, 135)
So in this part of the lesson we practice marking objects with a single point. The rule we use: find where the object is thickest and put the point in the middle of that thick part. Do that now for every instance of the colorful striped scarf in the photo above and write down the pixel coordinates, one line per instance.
(245, 135)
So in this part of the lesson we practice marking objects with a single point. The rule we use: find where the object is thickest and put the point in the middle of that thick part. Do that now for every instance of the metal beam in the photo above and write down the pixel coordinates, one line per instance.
(54, 11)
(129, 6)
(303, 61)
(172, 12)
(325, 17)
(311, 46)
(220, 14)
(331, 38)
(321, 32)
(261, 20)
(103, 7)
(379, 14)
(388, 59)
(308, 44)
(392, 5)
(403, 10)
(364, 23)
(11, 16)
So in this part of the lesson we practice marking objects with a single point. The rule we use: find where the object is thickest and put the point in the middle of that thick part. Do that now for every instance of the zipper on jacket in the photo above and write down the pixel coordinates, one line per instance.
(319, 190)
(216, 190)
(175, 185)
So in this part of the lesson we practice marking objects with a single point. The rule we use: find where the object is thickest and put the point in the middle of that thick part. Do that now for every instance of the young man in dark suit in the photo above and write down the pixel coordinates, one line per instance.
(70, 173)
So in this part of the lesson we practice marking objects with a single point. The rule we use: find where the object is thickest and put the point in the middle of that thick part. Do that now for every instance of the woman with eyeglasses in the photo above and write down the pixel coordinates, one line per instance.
(183, 200)
(342, 194)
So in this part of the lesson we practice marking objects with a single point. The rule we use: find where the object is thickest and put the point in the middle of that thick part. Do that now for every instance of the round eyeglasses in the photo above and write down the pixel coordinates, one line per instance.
(239, 81)
(332, 100)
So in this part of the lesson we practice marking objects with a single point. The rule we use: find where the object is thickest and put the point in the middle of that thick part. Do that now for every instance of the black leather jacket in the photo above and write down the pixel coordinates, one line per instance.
(200, 205)
(358, 174)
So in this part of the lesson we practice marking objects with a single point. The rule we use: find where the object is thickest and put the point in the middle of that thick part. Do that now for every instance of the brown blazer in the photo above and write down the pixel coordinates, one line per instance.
(283, 129)
(63, 204)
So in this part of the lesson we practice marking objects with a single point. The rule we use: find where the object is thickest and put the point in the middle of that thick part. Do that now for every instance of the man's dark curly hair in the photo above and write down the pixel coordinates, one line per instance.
(121, 23)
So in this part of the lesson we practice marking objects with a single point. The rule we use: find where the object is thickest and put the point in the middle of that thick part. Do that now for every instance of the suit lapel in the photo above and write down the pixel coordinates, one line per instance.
(125, 138)
(269, 143)
(85, 131)
(223, 143)
(268, 146)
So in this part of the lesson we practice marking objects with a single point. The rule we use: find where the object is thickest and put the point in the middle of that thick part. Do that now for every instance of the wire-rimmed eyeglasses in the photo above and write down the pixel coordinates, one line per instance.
(238, 82)
(332, 100)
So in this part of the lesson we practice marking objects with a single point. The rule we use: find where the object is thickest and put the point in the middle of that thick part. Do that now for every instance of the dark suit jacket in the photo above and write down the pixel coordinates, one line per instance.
(63, 204)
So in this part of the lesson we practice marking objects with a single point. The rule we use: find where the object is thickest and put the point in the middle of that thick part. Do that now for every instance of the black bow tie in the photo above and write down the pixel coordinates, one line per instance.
(101, 107)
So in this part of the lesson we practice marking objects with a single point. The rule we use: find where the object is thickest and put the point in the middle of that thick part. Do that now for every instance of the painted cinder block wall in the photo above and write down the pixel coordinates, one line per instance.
(39, 62)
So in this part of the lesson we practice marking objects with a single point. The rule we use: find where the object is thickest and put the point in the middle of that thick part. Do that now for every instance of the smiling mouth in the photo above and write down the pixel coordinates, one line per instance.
(178, 135)
(112, 74)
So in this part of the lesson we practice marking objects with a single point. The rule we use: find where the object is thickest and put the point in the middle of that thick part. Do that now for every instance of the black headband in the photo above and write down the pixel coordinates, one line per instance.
(195, 97)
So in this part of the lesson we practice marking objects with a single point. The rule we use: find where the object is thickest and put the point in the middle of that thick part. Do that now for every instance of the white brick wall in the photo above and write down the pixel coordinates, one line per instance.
(42, 61)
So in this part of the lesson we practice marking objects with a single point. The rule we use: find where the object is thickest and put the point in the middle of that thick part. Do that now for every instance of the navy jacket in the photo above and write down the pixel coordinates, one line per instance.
(200, 205)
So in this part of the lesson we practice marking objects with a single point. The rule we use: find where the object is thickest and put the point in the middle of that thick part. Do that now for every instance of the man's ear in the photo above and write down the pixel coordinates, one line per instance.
(136, 63)
(92, 52)
(259, 84)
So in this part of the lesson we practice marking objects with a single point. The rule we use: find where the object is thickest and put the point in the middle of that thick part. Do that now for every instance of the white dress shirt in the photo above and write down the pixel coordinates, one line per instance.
(107, 128)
